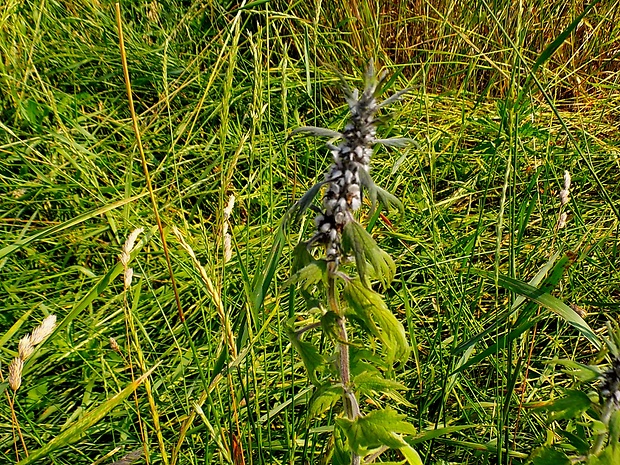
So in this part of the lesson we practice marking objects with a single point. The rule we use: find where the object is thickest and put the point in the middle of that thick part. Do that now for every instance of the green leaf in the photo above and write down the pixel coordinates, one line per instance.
(341, 455)
(378, 428)
(370, 308)
(77, 430)
(389, 200)
(309, 275)
(579, 440)
(584, 373)
(369, 381)
(548, 301)
(375, 192)
(411, 455)
(609, 456)
(298, 209)
(555, 272)
(301, 257)
(548, 456)
(324, 398)
(309, 354)
(331, 327)
(428, 434)
(9, 249)
(572, 405)
(369, 258)
(501, 343)
(614, 427)
(364, 359)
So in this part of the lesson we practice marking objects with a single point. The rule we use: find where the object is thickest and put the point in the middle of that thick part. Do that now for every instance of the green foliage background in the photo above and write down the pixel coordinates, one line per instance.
(218, 88)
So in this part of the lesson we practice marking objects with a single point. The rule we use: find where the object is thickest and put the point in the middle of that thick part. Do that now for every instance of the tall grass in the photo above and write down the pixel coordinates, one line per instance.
(218, 87)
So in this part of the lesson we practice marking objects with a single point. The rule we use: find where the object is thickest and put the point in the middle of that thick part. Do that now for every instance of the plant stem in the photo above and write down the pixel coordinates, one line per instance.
(608, 409)
(351, 405)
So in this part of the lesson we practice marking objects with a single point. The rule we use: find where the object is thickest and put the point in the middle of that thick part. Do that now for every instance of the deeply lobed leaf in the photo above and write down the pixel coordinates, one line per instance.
(370, 260)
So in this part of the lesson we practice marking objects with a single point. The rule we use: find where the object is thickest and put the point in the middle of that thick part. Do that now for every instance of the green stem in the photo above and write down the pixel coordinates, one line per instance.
(349, 400)
(608, 409)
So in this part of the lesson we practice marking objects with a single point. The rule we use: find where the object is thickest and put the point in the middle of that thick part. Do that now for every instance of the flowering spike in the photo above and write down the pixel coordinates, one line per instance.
(351, 164)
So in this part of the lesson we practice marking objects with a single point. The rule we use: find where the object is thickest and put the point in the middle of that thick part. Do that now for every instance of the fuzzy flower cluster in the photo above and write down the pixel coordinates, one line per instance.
(610, 383)
(351, 157)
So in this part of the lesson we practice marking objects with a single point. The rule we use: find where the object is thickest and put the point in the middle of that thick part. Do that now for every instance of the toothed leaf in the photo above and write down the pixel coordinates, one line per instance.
(329, 324)
(310, 356)
(301, 257)
(378, 428)
(294, 213)
(309, 275)
(370, 260)
(389, 200)
(375, 192)
(369, 307)
(548, 456)
(324, 398)
(580, 371)
(572, 405)
(369, 381)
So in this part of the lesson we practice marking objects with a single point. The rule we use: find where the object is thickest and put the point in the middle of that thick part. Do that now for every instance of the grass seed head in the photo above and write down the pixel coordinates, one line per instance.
(565, 193)
(45, 329)
(127, 277)
(15, 373)
(227, 247)
(129, 245)
(567, 180)
(114, 345)
(229, 207)
(25, 347)
(562, 220)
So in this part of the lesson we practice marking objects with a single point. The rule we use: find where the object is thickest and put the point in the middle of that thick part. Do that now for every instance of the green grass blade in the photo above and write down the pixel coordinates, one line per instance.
(9, 249)
(548, 301)
(554, 46)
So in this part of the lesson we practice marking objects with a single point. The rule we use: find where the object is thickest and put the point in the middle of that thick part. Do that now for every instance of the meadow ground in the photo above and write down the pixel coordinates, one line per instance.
(507, 96)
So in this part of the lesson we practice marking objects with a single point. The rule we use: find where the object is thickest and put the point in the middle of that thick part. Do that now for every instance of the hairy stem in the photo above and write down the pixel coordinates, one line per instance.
(349, 400)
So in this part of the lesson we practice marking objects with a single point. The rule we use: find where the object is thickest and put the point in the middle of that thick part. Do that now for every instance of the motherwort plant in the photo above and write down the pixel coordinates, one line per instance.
(367, 338)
